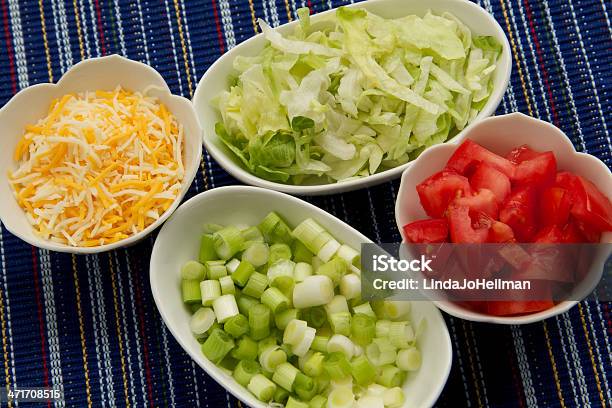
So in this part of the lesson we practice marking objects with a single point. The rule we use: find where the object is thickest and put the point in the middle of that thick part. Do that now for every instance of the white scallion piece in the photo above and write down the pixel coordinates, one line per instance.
(350, 286)
(328, 250)
(341, 343)
(338, 304)
(225, 307)
(393, 397)
(376, 390)
(408, 359)
(210, 290)
(301, 271)
(201, 321)
(294, 332)
(257, 253)
(315, 290)
(370, 401)
(304, 344)
(340, 383)
(227, 285)
(397, 310)
(232, 265)
(358, 350)
(281, 268)
(350, 255)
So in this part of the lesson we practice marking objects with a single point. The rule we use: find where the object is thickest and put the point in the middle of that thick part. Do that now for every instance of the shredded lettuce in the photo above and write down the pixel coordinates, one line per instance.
(357, 95)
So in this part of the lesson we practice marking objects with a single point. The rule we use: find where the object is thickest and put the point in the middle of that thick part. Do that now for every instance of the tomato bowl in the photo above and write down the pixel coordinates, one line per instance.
(500, 135)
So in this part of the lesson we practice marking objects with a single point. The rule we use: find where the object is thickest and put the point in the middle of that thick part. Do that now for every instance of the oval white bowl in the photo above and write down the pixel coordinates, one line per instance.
(104, 73)
(216, 79)
(178, 242)
(501, 134)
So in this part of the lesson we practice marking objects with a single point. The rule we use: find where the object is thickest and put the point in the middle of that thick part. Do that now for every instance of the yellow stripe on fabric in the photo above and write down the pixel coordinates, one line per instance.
(4, 348)
(516, 57)
(253, 18)
(44, 33)
(183, 46)
(590, 347)
(553, 364)
(472, 366)
(118, 326)
(77, 19)
(81, 329)
(288, 8)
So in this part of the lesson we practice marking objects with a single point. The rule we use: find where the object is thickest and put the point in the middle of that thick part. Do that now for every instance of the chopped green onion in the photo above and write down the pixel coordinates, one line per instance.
(210, 227)
(246, 303)
(257, 253)
(281, 396)
(340, 398)
(390, 376)
(337, 305)
(211, 290)
(190, 290)
(304, 386)
(252, 234)
(363, 328)
(301, 253)
(242, 273)
(285, 375)
(307, 232)
(376, 390)
(382, 328)
(215, 269)
(282, 319)
(281, 268)
(285, 284)
(366, 309)
(322, 383)
(396, 310)
(320, 343)
(246, 349)
(236, 326)
(304, 344)
(381, 352)
(408, 359)
(363, 371)
(350, 286)
(194, 307)
(301, 271)
(274, 299)
(293, 403)
(262, 387)
(259, 321)
(358, 350)
(225, 307)
(335, 269)
(227, 285)
(278, 252)
(401, 334)
(370, 401)
(350, 255)
(341, 323)
(394, 397)
(272, 357)
(207, 249)
(316, 263)
(245, 370)
(275, 230)
(193, 270)
(342, 344)
(318, 401)
(379, 308)
(201, 321)
(229, 363)
(266, 343)
(336, 366)
(294, 332)
(315, 316)
(227, 241)
(217, 345)
(315, 290)
(232, 265)
(256, 285)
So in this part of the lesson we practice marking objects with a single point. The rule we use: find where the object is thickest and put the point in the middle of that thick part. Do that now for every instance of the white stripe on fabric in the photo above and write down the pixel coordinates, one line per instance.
(523, 364)
(164, 332)
(265, 10)
(566, 355)
(83, 16)
(193, 65)
(575, 359)
(478, 365)
(64, 30)
(195, 384)
(176, 66)
(273, 13)
(120, 28)
(228, 25)
(605, 11)
(142, 30)
(593, 331)
(457, 349)
(7, 308)
(18, 44)
(93, 28)
(568, 84)
(374, 221)
(58, 36)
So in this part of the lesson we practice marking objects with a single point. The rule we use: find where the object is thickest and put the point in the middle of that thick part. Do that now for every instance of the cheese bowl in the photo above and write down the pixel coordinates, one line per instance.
(105, 73)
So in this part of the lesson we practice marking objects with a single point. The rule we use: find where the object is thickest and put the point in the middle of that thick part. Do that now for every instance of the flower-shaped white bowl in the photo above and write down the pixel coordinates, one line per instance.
(105, 73)
(217, 79)
(500, 134)
(179, 240)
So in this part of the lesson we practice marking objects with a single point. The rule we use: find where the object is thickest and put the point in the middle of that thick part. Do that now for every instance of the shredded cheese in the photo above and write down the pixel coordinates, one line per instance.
(101, 166)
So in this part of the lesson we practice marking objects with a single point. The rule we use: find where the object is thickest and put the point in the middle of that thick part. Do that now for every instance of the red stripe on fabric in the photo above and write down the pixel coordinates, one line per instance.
(100, 27)
(41, 323)
(541, 62)
(9, 46)
(218, 25)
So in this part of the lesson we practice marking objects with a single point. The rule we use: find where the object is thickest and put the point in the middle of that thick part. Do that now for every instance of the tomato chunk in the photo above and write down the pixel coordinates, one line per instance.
(500, 233)
(511, 308)
(555, 203)
(427, 231)
(589, 233)
(592, 207)
(521, 153)
(482, 202)
(518, 211)
(469, 154)
(439, 190)
(539, 170)
(489, 177)
(571, 234)
(460, 226)
(550, 234)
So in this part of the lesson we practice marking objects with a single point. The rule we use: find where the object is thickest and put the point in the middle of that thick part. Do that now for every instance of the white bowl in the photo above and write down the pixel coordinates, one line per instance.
(501, 134)
(178, 242)
(216, 79)
(105, 73)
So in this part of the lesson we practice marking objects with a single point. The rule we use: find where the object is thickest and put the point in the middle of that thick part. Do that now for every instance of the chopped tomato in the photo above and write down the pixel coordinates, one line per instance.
(589, 233)
(555, 205)
(592, 207)
(551, 234)
(439, 190)
(512, 308)
(500, 233)
(571, 234)
(521, 153)
(482, 202)
(489, 177)
(469, 154)
(460, 226)
(427, 231)
(539, 170)
(518, 211)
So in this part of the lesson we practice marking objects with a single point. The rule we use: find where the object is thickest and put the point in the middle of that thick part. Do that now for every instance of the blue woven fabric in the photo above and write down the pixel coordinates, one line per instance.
(89, 323)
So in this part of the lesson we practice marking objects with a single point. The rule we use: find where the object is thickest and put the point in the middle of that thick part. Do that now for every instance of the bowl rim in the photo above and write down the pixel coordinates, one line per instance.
(188, 178)
(237, 171)
(194, 201)
(460, 312)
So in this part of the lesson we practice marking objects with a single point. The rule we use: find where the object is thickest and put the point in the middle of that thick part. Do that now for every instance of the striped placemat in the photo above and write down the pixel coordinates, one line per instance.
(88, 323)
